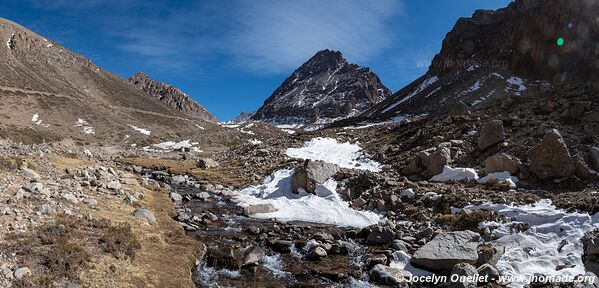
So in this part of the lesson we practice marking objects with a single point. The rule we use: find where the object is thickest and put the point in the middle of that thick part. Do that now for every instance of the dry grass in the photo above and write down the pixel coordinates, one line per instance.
(110, 248)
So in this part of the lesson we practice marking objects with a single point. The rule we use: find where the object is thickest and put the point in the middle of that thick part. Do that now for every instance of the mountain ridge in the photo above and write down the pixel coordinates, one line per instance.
(324, 88)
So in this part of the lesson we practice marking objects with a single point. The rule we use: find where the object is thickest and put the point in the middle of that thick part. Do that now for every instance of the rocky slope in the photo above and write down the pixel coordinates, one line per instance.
(503, 53)
(324, 88)
(51, 93)
(171, 96)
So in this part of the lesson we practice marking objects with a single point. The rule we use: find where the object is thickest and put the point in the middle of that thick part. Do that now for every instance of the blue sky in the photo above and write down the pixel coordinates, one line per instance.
(231, 55)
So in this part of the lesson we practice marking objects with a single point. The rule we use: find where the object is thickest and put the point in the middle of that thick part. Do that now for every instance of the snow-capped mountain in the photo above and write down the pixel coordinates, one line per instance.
(505, 53)
(171, 96)
(323, 89)
(242, 117)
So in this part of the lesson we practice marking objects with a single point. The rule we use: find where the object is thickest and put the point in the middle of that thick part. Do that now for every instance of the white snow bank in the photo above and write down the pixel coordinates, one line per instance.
(516, 84)
(255, 141)
(500, 177)
(325, 207)
(87, 129)
(537, 250)
(141, 130)
(420, 88)
(455, 174)
(172, 145)
(346, 155)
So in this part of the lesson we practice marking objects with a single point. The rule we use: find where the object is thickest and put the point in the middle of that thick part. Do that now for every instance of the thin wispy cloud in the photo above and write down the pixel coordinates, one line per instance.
(274, 36)
(262, 36)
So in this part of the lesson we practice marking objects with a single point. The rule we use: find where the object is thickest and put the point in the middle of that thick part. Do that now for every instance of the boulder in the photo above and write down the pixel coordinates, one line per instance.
(459, 108)
(21, 273)
(550, 158)
(435, 162)
(500, 163)
(253, 256)
(489, 273)
(30, 173)
(317, 253)
(258, 208)
(446, 250)
(207, 163)
(590, 252)
(145, 214)
(388, 276)
(311, 174)
(380, 236)
(491, 133)
(464, 274)
(594, 154)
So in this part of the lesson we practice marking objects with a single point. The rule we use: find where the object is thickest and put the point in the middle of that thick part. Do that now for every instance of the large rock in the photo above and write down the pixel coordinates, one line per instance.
(464, 274)
(253, 256)
(381, 236)
(207, 163)
(491, 133)
(446, 250)
(311, 174)
(145, 214)
(435, 162)
(500, 163)
(388, 276)
(594, 154)
(550, 158)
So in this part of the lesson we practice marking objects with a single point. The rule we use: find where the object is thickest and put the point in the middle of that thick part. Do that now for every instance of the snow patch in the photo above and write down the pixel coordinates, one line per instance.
(172, 145)
(420, 88)
(516, 85)
(325, 207)
(87, 129)
(346, 155)
(552, 239)
(500, 177)
(455, 174)
(255, 141)
(141, 130)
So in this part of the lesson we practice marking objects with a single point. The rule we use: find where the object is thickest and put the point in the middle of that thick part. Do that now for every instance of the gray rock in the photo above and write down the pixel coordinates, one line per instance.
(594, 154)
(258, 208)
(178, 180)
(399, 245)
(22, 272)
(207, 163)
(311, 174)
(45, 209)
(463, 272)
(446, 250)
(500, 163)
(71, 198)
(550, 158)
(253, 256)
(30, 173)
(435, 162)
(491, 133)
(145, 214)
(380, 236)
(488, 272)
(388, 276)
(114, 185)
(91, 202)
(317, 253)
(176, 197)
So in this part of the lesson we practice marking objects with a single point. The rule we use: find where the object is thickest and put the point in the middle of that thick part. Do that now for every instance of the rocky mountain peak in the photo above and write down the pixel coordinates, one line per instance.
(323, 89)
(172, 96)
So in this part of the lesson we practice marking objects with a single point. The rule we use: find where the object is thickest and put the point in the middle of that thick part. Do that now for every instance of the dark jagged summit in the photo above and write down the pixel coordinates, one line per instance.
(324, 88)
(172, 96)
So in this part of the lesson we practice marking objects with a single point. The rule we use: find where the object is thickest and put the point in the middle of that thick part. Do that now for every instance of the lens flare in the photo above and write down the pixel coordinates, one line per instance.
(560, 41)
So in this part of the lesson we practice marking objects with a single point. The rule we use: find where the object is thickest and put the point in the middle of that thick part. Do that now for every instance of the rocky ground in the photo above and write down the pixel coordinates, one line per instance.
(97, 216)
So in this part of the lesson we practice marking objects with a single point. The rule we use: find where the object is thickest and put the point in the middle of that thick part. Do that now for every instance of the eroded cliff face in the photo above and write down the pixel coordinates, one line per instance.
(172, 96)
